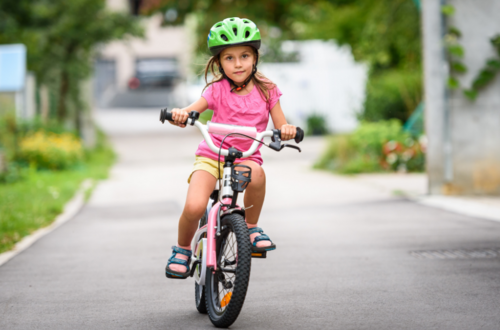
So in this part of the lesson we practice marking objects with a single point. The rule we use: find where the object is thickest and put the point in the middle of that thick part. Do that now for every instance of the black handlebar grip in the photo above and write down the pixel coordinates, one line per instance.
(166, 115)
(299, 135)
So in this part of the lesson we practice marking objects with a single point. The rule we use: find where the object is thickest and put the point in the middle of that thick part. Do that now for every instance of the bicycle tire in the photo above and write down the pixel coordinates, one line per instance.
(199, 292)
(235, 233)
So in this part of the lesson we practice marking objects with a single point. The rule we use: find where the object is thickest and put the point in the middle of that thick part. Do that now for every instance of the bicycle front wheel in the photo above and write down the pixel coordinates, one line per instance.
(199, 291)
(226, 288)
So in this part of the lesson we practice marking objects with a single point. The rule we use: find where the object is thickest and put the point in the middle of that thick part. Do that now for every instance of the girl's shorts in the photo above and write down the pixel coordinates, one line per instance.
(208, 165)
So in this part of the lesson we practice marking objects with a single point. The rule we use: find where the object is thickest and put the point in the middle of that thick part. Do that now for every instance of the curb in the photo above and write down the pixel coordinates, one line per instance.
(70, 210)
(461, 206)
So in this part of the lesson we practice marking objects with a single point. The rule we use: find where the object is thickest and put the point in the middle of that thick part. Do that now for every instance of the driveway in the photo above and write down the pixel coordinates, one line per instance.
(349, 255)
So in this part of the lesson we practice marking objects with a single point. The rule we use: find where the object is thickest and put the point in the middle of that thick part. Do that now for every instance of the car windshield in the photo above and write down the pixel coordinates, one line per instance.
(156, 66)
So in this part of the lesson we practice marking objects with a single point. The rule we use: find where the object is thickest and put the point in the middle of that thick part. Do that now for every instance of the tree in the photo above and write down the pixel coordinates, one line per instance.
(383, 33)
(386, 35)
(61, 37)
(267, 14)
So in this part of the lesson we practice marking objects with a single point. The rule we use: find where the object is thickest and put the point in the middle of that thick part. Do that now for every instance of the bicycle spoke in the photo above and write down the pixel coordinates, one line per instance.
(229, 253)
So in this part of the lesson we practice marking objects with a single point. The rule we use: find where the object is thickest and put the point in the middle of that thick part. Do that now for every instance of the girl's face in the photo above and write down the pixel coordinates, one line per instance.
(238, 62)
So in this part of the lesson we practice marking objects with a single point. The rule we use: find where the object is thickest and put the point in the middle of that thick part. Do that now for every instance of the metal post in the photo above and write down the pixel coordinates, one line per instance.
(447, 145)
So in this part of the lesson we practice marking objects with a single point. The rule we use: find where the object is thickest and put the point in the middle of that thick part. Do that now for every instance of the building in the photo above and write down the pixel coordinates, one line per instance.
(163, 48)
(463, 155)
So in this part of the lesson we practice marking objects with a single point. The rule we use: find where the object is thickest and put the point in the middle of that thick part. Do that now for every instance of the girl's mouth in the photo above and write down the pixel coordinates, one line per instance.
(239, 72)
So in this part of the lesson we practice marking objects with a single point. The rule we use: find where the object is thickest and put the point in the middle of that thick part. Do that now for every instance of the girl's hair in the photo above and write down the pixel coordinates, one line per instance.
(263, 84)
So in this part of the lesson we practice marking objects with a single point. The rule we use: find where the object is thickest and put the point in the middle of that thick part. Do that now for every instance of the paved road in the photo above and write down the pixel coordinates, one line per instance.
(343, 259)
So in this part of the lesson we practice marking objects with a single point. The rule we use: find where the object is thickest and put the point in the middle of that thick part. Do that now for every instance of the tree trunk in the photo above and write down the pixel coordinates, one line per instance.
(78, 121)
(63, 92)
(44, 103)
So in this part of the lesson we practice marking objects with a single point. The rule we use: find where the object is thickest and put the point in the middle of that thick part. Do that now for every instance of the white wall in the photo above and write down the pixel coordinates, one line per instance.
(327, 81)
(463, 154)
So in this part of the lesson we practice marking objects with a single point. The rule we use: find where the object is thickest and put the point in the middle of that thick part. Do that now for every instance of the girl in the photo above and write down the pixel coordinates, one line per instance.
(238, 95)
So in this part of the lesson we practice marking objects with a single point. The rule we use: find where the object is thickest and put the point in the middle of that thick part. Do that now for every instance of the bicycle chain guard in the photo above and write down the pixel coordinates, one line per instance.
(240, 178)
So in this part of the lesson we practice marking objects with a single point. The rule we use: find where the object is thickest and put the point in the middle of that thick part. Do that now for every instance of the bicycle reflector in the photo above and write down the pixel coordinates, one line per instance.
(226, 299)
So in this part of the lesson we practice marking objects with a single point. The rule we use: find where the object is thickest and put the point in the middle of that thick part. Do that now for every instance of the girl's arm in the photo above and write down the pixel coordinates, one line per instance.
(181, 115)
(279, 121)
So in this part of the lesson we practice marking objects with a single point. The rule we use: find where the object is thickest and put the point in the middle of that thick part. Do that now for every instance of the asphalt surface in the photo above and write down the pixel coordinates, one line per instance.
(343, 259)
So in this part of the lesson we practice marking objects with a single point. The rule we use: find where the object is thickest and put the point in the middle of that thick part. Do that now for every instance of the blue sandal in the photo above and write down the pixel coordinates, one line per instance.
(173, 260)
(261, 237)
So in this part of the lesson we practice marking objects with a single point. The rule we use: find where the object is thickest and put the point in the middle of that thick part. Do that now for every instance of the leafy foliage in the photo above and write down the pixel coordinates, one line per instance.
(373, 147)
(386, 35)
(266, 14)
(316, 125)
(392, 94)
(35, 201)
(455, 54)
(61, 37)
(487, 73)
(50, 150)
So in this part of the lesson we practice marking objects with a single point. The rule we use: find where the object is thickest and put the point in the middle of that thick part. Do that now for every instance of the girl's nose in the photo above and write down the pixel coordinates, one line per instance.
(238, 62)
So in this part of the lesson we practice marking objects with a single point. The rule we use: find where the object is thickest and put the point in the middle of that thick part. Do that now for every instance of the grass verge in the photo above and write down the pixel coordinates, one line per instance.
(35, 201)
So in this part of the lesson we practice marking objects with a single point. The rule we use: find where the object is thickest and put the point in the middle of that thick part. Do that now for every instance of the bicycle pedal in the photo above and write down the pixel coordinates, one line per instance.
(175, 277)
(259, 255)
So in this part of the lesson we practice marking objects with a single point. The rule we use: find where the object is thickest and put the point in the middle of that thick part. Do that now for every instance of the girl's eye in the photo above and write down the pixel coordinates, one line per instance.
(229, 58)
(245, 55)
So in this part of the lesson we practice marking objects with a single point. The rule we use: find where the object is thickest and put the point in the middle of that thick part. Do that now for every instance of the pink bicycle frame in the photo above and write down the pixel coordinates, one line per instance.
(211, 227)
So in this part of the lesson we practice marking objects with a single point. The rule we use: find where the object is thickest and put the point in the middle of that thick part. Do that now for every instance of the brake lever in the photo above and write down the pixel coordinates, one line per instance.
(291, 146)
(276, 146)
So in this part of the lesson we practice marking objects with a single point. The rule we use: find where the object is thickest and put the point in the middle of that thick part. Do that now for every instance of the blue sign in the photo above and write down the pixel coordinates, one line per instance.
(12, 67)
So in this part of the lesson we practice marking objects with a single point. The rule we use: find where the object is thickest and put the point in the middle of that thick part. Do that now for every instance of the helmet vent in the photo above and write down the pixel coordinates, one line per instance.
(246, 22)
(223, 36)
(232, 19)
(247, 34)
(235, 30)
(218, 25)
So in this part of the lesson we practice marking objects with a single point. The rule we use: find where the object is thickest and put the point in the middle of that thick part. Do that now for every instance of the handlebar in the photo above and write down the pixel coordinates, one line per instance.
(193, 118)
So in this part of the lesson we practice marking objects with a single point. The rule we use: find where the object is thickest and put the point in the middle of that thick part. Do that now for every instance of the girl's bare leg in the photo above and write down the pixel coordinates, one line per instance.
(255, 193)
(201, 186)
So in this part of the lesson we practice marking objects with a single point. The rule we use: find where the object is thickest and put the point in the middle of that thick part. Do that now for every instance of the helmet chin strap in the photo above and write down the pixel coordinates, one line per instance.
(245, 83)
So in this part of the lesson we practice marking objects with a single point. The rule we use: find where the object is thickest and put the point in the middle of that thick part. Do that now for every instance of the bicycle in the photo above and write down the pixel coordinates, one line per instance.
(221, 246)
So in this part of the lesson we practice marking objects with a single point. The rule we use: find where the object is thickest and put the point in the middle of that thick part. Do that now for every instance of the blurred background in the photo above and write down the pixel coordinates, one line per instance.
(352, 71)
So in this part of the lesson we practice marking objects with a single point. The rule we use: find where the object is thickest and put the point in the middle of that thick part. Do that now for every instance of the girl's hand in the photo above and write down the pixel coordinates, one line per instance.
(179, 116)
(288, 132)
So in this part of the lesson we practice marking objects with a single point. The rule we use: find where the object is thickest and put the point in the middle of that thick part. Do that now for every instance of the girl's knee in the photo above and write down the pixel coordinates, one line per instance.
(258, 176)
(194, 210)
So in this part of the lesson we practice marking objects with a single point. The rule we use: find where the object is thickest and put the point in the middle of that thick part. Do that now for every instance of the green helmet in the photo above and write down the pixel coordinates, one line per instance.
(233, 31)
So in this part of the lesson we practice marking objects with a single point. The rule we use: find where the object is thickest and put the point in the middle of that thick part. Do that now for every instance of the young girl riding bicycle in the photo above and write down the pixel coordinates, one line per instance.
(238, 95)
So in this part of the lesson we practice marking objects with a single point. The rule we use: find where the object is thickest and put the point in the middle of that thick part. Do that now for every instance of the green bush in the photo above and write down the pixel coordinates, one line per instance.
(36, 200)
(392, 94)
(50, 150)
(316, 125)
(373, 147)
(12, 172)
(206, 116)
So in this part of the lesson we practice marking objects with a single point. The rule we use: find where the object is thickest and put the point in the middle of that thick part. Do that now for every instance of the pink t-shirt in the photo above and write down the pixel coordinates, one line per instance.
(244, 110)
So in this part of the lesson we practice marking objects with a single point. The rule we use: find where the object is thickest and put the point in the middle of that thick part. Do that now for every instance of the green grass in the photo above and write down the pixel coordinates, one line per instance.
(35, 201)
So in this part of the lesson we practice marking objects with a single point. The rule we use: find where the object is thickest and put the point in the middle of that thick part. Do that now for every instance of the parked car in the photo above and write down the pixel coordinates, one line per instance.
(153, 73)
